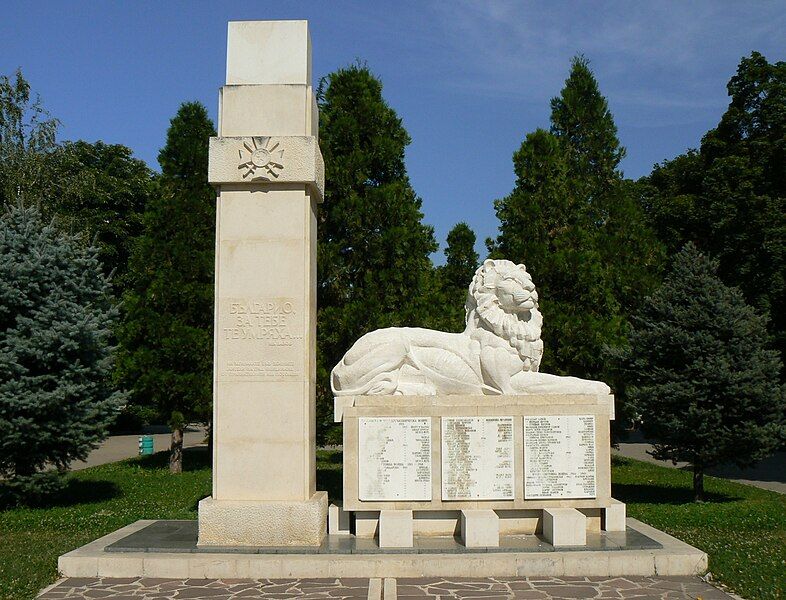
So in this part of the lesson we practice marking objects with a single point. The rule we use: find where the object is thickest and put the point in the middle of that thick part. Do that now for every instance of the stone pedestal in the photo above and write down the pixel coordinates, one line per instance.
(268, 172)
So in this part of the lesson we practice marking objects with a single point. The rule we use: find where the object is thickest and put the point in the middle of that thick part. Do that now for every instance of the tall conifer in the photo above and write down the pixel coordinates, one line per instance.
(167, 335)
(374, 265)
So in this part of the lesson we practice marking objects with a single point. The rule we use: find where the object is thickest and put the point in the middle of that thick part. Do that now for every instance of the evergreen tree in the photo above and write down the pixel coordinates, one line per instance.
(700, 373)
(373, 249)
(578, 227)
(55, 358)
(167, 334)
(456, 274)
(729, 198)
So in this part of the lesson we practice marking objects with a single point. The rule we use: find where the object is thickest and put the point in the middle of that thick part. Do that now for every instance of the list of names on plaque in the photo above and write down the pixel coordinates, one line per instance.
(559, 456)
(477, 458)
(394, 458)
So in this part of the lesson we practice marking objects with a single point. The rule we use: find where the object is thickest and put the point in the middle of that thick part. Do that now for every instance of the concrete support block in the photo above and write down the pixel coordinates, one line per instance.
(479, 528)
(614, 516)
(338, 519)
(374, 589)
(564, 527)
(366, 523)
(395, 529)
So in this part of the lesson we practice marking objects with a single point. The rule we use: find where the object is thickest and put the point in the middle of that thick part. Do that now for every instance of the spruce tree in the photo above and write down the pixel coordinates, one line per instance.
(701, 374)
(167, 334)
(456, 274)
(56, 399)
(577, 225)
(729, 197)
(373, 248)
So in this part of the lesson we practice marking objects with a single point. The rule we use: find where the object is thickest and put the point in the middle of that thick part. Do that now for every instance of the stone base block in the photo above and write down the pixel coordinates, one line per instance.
(250, 523)
(564, 527)
(614, 516)
(395, 529)
(338, 519)
(480, 528)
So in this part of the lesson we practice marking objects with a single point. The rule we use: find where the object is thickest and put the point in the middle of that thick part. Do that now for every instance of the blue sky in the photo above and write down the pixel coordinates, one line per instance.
(469, 78)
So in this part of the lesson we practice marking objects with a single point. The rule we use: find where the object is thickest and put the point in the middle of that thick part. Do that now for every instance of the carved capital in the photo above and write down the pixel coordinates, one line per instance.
(264, 159)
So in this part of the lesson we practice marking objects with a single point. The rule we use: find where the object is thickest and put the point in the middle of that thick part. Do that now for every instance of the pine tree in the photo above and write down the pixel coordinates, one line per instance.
(56, 400)
(729, 198)
(167, 334)
(700, 372)
(373, 249)
(456, 274)
(577, 225)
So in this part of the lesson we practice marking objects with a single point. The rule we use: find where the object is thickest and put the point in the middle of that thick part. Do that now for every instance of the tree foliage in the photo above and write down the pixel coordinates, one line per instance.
(56, 399)
(700, 372)
(167, 333)
(577, 225)
(729, 197)
(373, 249)
(27, 135)
(456, 274)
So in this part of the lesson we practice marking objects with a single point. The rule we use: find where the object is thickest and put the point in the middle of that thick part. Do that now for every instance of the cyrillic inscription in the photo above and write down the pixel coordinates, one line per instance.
(394, 458)
(260, 339)
(559, 456)
(477, 458)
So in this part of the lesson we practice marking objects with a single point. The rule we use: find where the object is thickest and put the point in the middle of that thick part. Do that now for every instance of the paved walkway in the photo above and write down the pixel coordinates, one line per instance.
(542, 588)
(769, 474)
(120, 447)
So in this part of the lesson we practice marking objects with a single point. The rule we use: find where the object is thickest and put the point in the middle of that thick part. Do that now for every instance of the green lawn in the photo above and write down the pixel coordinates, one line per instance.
(743, 529)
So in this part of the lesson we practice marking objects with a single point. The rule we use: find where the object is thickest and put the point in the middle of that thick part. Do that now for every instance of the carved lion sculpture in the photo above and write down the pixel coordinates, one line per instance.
(498, 352)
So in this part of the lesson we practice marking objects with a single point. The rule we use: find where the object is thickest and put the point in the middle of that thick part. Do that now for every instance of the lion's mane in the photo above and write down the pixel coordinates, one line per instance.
(483, 310)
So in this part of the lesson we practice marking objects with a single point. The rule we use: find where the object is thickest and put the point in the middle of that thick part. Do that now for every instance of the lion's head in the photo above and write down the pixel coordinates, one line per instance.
(503, 300)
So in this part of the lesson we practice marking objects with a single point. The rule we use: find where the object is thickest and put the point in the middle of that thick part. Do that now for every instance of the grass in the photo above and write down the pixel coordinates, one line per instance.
(742, 528)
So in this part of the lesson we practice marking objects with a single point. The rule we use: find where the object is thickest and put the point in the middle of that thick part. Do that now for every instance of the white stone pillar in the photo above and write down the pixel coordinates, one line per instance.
(268, 172)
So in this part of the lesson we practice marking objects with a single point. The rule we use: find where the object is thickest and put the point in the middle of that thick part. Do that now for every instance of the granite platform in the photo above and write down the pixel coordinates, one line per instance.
(167, 549)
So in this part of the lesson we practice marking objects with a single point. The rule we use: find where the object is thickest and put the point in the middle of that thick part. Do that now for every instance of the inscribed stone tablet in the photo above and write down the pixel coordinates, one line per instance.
(559, 456)
(261, 339)
(394, 458)
(477, 458)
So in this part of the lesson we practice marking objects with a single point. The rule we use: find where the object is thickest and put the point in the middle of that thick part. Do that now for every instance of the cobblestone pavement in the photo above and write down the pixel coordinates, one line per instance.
(542, 588)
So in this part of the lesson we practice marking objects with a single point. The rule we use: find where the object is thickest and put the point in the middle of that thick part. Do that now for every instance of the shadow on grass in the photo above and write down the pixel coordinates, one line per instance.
(73, 492)
(194, 459)
(645, 493)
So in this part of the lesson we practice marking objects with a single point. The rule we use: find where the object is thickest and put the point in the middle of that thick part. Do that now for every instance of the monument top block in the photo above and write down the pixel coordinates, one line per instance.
(268, 52)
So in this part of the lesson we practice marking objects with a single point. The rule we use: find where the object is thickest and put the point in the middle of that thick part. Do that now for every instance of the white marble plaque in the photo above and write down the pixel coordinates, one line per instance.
(477, 458)
(559, 456)
(394, 458)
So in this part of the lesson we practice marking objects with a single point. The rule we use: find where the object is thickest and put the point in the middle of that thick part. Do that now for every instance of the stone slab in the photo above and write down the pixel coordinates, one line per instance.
(268, 52)
(394, 458)
(559, 456)
(477, 458)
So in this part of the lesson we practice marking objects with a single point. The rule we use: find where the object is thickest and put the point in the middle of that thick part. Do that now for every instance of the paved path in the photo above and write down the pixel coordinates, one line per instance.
(769, 474)
(120, 447)
(542, 588)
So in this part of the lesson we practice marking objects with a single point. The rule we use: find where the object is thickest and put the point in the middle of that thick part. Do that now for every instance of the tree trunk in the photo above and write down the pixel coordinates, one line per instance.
(698, 483)
(210, 443)
(176, 451)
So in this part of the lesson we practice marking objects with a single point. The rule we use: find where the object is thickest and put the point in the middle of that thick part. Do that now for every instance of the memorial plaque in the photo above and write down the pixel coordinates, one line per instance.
(559, 456)
(477, 458)
(394, 458)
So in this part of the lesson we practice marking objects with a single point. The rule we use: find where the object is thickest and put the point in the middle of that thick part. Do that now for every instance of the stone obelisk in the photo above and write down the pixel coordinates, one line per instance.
(269, 176)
